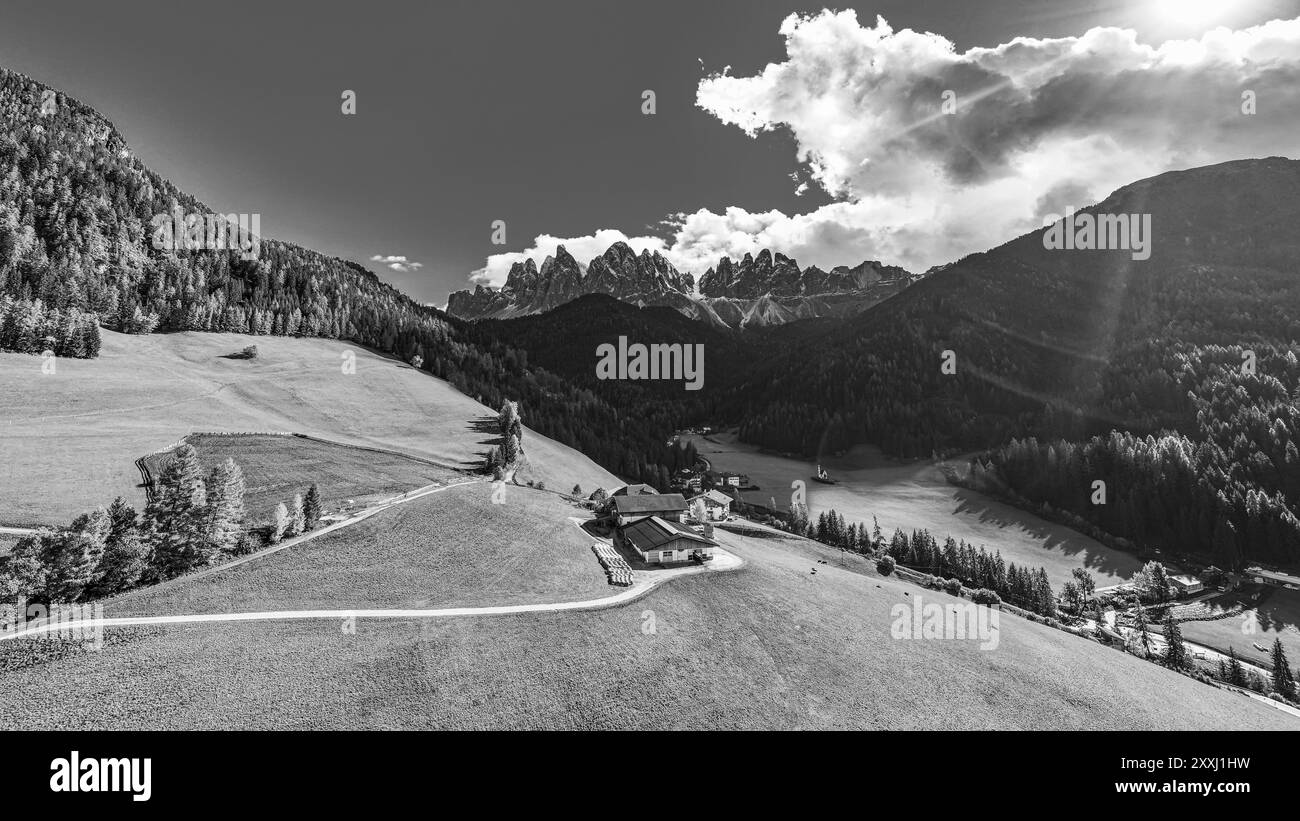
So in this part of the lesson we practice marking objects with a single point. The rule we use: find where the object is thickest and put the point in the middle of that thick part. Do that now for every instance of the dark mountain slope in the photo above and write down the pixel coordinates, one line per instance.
(1068, 344)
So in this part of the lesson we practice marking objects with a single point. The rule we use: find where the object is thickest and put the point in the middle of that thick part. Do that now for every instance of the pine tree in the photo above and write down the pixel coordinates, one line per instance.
(1175, 652)
(175, 515)
(1236, 673)
(1140, 619)
(312, 507)
(1283, 678)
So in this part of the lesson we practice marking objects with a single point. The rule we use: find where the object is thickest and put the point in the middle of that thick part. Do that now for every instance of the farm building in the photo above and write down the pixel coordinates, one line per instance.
(1271, 577)
(716, 505)
(659, 542)
(1187, 585)
(624, 509)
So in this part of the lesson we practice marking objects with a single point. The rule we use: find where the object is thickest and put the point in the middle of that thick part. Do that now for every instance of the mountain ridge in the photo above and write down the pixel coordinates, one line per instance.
(757, 291)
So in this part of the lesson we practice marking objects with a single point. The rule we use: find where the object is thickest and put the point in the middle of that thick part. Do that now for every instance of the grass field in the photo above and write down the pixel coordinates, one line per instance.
(769, 646)
(277, 467)
(450, 549)
(1277, 615)
(914, 495)
(70, 439)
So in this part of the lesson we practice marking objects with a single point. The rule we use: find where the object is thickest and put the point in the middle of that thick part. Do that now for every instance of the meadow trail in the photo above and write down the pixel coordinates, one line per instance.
(723, 562)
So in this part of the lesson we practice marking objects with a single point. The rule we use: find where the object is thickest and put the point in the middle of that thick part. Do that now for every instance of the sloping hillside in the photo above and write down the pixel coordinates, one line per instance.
(71, 438)
(771, 646)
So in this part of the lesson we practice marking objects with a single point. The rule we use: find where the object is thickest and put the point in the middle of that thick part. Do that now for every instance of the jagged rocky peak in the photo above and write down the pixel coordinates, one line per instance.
(763, 288)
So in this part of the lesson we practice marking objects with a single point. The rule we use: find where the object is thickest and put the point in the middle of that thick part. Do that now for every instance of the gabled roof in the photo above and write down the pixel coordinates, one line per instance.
(649, 504)
(715, 496)
(652, 533)
(635, 490)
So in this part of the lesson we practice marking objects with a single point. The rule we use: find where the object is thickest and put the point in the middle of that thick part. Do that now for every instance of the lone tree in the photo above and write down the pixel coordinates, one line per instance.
(885, 565)
(311, 507)
(510, 421)
(1283, 678)
(1175, 653)
(1083, 579)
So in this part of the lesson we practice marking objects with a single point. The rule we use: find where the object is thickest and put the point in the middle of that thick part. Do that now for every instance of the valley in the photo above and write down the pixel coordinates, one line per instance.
(913, 494)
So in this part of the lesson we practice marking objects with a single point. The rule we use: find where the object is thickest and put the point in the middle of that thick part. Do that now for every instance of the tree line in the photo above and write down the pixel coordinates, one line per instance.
(191, 520)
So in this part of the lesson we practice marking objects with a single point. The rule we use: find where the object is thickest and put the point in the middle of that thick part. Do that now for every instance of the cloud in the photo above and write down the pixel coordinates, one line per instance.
(1036, 125)
(397, 263)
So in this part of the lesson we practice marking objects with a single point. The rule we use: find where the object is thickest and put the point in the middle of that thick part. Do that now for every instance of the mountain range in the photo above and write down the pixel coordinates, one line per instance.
(757, 291)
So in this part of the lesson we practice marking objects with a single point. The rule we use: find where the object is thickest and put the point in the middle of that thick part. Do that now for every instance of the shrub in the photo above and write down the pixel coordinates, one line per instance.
(885, 565)
(953, 586)
(985, 596)
(249, 352)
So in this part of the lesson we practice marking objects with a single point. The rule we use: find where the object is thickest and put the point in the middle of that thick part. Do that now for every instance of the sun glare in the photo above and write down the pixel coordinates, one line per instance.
(1192, 11)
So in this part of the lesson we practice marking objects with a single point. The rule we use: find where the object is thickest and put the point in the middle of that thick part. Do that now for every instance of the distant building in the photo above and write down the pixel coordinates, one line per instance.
(634, 490)
(717, 506)
(1187, 585)
(624, 509)
(1272, 578)
(658, 541)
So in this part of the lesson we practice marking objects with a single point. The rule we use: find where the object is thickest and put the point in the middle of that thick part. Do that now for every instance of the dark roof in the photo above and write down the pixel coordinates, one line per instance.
(635, 490)
(648, 504)
(653, 533)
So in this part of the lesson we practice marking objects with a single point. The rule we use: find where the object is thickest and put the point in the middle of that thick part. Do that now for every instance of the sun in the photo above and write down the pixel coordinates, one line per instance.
(1192, 11)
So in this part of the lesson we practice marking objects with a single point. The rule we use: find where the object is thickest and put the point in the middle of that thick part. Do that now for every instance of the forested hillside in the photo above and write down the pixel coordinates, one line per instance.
(1068, 345)
(76, 208)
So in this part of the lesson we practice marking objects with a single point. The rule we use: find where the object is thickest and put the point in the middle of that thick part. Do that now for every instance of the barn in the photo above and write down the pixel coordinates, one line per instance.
(658, 541)
(625, 509)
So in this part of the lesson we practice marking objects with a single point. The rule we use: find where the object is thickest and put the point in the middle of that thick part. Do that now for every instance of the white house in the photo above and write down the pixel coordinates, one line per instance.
(717, 506)
(1187, 585)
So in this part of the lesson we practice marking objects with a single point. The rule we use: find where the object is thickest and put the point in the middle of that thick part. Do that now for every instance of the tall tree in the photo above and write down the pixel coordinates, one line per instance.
(1176, 651)
(1283, 678)
(225, 515)
(312, 506)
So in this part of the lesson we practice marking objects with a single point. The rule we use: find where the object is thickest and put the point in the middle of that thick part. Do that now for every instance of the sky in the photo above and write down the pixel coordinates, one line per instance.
(820, 134)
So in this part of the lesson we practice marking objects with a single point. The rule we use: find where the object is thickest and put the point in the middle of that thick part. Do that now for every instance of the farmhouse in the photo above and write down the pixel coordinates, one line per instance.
(1187, 585)
(1273, 578)
(716, 505)
(624, 509)
(659, 542)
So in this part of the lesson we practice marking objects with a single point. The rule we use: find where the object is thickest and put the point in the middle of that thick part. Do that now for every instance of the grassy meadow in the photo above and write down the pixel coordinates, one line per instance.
(772, 645)
(71, 438)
